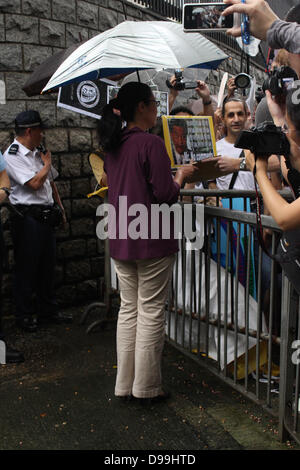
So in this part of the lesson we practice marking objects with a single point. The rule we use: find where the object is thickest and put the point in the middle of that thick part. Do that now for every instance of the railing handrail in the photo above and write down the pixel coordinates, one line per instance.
(231, 193)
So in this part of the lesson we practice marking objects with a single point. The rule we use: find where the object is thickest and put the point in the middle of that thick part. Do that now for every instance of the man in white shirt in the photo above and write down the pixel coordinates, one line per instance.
(235, 114)
(33, 194)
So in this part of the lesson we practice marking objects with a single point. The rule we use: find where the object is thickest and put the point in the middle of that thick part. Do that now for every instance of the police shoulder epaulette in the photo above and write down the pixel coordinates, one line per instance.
(13, 149)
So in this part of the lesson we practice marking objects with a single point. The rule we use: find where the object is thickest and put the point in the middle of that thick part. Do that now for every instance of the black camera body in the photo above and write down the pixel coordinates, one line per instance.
(180, 84)
(264, 140)
(280, 80)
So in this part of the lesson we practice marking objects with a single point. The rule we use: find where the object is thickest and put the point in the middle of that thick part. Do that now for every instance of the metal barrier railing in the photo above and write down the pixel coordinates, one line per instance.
(248, 338)
(232, 309)
(166, 8)
(289, 365)
(216, 312)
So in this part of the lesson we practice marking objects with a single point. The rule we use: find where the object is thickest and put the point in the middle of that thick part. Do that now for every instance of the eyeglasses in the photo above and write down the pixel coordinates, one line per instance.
(156, 101)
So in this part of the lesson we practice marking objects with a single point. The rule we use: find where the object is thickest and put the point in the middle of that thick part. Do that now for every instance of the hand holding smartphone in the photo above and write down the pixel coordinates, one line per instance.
(207, 17)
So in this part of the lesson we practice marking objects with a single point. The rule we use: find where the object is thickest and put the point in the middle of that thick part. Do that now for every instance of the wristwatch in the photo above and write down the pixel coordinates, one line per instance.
(6, 190)
(243, 163)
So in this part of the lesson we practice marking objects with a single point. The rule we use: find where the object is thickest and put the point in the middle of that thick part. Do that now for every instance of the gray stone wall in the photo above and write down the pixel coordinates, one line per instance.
(30, 32)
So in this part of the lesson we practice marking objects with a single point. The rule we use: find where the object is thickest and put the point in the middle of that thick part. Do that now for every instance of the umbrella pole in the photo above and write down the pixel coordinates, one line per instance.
(138, 76)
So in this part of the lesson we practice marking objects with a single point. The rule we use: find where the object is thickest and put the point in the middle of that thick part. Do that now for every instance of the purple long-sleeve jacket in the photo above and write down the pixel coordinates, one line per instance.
(139, 172)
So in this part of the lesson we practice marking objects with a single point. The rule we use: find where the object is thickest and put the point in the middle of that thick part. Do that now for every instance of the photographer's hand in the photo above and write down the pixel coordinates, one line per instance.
(231, 87)
(277, 109)
(172, 92)
(260, 165)
(261, 17)
(203, 91)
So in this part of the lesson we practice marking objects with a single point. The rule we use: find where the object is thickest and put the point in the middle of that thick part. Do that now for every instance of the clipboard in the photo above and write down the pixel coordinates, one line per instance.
(208, 169)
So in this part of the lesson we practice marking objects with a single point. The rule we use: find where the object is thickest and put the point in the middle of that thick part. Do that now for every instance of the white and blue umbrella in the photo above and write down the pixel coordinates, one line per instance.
(137, 45)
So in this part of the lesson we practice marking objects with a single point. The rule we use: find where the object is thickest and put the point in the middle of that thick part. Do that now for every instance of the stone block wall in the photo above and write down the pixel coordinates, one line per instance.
(30, 32)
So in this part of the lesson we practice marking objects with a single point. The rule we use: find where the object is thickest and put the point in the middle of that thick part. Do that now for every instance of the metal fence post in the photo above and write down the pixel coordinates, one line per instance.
(288, 331)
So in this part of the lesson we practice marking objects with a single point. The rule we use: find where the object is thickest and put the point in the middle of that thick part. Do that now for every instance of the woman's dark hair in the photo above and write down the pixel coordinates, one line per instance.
(126, 102)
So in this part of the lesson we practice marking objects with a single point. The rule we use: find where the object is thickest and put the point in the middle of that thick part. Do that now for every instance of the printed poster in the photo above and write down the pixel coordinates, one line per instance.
(87, 97)
(189, 138)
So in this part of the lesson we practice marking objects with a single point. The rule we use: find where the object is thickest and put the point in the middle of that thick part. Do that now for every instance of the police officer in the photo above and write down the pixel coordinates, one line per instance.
(33, 194)
(9, 355)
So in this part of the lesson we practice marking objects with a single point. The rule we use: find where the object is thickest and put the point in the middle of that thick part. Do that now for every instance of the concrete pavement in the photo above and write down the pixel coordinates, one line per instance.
(61, 398)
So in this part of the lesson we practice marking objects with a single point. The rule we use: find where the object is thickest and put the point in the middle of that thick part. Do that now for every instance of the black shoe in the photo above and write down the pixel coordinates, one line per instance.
(153, 400)
(124, 398)
(13, 356)
(28, 324)
(57, 318)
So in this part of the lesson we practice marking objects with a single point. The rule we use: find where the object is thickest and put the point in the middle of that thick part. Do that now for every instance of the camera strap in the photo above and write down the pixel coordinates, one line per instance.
(233, 180)
(235, 175)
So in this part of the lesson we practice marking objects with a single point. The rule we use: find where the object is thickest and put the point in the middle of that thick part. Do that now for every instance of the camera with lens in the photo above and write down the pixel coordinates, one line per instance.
(180, 84)
(242, 81)
(264, 140)
(280, 80)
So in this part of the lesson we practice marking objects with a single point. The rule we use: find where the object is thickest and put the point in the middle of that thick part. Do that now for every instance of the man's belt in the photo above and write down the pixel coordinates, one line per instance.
(50, 214)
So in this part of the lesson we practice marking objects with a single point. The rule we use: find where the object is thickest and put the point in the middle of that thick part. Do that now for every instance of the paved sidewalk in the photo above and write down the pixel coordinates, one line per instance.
(61, 398)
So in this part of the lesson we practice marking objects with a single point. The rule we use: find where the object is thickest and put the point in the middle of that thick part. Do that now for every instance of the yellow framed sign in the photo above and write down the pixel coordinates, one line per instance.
(189, 138)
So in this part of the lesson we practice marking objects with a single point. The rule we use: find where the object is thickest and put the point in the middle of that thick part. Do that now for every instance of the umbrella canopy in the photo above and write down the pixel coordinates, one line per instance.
(42, 74)
(137, 45)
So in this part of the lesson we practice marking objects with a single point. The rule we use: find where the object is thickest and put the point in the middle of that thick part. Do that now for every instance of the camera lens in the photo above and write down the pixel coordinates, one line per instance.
(242, 81)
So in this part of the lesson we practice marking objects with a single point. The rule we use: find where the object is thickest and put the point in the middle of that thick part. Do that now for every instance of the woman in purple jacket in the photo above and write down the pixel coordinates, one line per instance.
(139, 178)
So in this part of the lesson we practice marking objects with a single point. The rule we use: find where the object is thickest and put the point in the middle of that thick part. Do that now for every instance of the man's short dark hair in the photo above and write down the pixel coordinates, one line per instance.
(20, 131)
(234, 100)
(181, 109)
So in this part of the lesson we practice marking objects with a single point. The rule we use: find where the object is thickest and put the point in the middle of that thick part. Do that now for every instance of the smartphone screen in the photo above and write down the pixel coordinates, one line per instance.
(206, 16)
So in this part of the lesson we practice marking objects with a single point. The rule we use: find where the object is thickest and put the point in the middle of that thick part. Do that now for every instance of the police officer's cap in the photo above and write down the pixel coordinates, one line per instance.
(29, 118)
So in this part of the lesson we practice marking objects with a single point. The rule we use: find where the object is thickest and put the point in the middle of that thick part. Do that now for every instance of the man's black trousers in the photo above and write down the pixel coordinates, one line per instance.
(35, 257)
